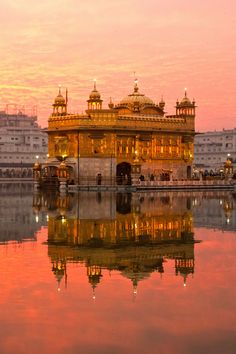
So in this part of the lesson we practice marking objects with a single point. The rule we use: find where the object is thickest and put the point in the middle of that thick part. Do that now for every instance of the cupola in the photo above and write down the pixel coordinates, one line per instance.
(185, 106)
(94, 101)
(60, 104)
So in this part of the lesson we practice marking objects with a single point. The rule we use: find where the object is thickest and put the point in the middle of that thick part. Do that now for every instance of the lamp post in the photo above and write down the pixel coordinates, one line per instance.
(37, 173)
(228, 167)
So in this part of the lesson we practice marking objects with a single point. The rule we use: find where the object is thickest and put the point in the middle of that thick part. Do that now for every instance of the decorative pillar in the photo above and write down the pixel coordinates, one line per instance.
(63, 176)
(135, 172)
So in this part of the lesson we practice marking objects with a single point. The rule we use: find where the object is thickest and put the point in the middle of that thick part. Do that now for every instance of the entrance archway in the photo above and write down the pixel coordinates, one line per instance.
(123, 173)
(50, 176)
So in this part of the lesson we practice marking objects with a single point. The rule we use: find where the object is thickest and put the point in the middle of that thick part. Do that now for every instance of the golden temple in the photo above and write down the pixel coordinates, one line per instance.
(119, 144)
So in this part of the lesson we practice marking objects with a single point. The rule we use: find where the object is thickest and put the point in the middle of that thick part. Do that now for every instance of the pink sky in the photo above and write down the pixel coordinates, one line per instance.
(170, 44)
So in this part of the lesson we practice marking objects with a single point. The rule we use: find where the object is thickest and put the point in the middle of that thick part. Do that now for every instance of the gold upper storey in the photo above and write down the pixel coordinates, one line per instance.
(134, 112)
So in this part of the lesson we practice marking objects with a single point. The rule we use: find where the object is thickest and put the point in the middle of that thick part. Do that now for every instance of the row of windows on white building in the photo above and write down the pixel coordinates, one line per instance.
(21, 140)
(212, 149)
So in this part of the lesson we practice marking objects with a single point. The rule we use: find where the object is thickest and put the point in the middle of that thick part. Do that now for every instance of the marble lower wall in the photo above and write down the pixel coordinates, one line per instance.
(87, 169)
(90, 168)
(179, 169)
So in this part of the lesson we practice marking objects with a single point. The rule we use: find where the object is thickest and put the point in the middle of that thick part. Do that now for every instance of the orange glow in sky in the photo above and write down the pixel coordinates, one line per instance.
(170, 44)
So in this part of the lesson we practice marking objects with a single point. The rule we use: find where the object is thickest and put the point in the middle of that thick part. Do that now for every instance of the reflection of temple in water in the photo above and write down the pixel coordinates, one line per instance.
(134, 234)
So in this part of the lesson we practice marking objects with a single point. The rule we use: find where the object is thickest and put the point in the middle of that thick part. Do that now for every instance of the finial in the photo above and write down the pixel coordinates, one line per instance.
(162, 103)
(136, 85)
(134, 294)
(111, 104)
(135, 286)
(59, 88)
(66, 95)
(185, 92)
(94, 84)
(135, 82)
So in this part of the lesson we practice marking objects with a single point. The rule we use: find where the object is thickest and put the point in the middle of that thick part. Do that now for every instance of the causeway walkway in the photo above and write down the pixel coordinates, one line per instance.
(161, 185)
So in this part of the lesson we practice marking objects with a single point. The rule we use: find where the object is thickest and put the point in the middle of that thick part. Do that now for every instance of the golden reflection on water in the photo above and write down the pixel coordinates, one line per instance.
(132, 233)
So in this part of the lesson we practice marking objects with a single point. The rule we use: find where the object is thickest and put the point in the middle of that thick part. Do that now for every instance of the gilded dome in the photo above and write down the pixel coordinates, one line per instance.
(136, 98)
(95, 94)
(185, 100)
(59, 99)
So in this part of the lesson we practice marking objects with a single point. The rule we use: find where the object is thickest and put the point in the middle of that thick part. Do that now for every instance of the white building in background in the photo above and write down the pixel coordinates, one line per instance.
(22, 142)
(212, 149)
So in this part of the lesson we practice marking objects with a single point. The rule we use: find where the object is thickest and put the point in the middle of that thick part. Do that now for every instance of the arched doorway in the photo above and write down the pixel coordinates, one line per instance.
(123, 173)
(50, 176)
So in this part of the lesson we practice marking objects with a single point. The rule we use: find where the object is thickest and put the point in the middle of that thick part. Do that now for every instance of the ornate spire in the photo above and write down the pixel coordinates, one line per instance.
(94, 101)
(162, 103)
(111, 104)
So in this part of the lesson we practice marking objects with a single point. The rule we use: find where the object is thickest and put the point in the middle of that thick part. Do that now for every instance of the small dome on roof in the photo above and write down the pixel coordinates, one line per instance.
(95, 94)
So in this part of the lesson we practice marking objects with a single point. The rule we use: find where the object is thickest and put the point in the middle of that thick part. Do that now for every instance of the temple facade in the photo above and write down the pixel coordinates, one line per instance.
(121, 143)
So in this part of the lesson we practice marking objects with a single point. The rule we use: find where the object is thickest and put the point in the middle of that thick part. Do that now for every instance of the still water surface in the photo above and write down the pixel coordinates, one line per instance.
(117, 273)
